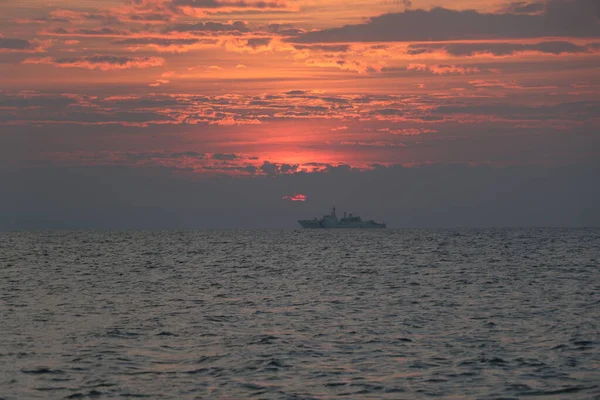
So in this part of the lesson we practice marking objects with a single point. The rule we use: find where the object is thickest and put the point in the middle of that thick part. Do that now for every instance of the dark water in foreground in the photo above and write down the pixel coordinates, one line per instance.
(483, 314)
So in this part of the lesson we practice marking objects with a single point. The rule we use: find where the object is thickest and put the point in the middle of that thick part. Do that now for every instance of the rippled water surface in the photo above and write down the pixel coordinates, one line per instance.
(484, 314)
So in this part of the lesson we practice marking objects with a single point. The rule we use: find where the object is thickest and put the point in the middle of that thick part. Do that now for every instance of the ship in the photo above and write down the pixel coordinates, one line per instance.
(331, 221)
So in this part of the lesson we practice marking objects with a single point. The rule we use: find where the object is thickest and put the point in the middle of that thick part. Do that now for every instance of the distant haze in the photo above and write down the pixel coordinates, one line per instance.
(429, 196)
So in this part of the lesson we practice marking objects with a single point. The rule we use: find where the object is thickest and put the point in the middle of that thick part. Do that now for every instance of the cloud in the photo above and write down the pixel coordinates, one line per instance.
(208, 28)
(161, 11)
(297, 92)
(91, 32)
(258, 42)
(378, 143)
(339, 129)
(62, 16)
(159, 82)
(229, 5)
(225, 157)
(284, 29)
(166, 45)
(329, 48)
(362, 67)
(104, 16)
(252, 45)
(14, 45)
(149, 156)
(521, 7)
(407, 131)
(480, 83)
(36, 101)
(200, 8)
(148, 18)
(444, 69)
(561, 18)
(229, 120)
(344, 116)
(272, 169)
(138, 11)
(101, 62)
(496, 49)
(41, 20)
(583, 110)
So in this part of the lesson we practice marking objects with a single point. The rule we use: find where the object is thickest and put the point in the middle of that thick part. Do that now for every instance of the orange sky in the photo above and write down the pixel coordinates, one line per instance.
(215, 85)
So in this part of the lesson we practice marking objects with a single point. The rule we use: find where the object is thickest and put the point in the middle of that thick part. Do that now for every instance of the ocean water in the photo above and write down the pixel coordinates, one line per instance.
(389, 314)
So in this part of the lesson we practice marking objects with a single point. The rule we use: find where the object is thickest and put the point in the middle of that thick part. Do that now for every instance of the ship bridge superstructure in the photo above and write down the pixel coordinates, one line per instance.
(331, 221)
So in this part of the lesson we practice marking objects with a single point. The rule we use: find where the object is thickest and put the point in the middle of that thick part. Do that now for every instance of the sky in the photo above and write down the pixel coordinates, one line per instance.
(252, 114)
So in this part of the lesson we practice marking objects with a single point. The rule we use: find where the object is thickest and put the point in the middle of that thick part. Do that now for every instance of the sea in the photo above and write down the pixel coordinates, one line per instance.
(300, 314)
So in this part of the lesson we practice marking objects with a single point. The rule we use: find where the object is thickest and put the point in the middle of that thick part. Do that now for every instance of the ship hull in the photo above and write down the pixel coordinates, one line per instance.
(311, 224)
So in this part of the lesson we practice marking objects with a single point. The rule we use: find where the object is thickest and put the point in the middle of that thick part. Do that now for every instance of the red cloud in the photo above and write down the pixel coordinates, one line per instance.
(157, 11)
(296, 197)
(101, 62)
(444, 69)
(204, 7)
